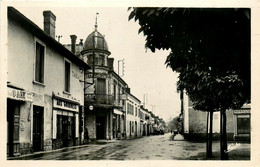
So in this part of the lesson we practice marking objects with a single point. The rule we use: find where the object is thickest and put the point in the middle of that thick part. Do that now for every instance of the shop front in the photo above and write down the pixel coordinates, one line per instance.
(118, 124)
(18, 115)
(65, 122)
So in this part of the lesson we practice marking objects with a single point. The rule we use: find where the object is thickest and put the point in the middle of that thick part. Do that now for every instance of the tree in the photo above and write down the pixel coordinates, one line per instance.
(210, 49)
(173, 123)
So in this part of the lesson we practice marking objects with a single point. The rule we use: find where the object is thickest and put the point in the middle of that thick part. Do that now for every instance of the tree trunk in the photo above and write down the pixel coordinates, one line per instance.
(210, 134)
(223, 135)
(207, 136)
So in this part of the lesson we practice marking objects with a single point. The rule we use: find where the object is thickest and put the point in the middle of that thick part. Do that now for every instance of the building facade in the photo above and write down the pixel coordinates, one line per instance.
(45, 95)
(104, 113)
(132, 108)
(62, 95)
(237, 125)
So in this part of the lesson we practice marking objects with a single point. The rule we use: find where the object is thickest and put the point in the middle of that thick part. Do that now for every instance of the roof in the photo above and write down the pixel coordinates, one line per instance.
(97, 39)
(118, 77)
(135, 98)
(16, 16)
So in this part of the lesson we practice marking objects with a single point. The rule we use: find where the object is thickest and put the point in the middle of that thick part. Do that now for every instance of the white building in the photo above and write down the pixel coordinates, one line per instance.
(45, 95)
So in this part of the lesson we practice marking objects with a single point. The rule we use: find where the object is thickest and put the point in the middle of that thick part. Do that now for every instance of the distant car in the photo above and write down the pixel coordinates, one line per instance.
(156, 132)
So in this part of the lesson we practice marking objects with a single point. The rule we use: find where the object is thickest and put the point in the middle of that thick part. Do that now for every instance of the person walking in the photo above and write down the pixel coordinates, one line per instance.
(86, 136)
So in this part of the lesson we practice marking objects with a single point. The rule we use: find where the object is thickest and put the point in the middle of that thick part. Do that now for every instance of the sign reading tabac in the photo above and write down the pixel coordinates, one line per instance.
(20, 95)
(65, 105)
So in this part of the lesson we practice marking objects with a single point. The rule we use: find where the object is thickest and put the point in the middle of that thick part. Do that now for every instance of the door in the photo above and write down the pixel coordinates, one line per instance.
(135, 129)
(37, 128)
(65, 132)
(114, 126)
(100, 127)
(13, 124)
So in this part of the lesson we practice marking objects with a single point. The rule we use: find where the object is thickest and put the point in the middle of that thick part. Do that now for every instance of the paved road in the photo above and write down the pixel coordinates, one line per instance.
(146, 148)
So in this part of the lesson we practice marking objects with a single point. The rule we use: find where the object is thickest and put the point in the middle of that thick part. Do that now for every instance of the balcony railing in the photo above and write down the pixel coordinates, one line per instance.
(118, 104)
(100, 98)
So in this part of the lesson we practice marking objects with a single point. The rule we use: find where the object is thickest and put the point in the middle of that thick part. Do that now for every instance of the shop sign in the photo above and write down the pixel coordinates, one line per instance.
(17, 94)
(118, 112)
(241, 111)
(76, 75)
(65, 105)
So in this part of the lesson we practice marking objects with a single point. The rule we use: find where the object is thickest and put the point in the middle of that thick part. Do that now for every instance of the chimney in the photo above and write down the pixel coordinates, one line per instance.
(49, 23)
(110, 63)
(81, 42)
(73, 43)
(128, 90)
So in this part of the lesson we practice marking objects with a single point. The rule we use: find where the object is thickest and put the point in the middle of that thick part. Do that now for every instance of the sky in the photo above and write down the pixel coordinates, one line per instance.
(145, 72)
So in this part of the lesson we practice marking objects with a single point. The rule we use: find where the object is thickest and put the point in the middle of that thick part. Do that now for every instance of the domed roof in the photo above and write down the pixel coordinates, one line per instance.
(100, 42)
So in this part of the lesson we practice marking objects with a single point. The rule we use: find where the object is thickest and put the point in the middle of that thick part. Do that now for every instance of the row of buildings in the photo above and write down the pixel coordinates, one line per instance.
(60, 95)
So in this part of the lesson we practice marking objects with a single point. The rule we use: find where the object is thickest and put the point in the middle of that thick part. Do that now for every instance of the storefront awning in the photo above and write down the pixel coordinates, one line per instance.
(118, 112)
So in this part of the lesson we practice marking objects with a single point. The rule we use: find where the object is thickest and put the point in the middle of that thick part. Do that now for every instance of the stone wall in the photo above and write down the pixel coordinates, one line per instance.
(57, 144)
(47, 144)
(26, 148)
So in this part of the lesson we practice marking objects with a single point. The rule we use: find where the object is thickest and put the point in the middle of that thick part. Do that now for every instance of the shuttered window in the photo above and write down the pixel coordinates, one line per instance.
(39, 63)
(67, 76)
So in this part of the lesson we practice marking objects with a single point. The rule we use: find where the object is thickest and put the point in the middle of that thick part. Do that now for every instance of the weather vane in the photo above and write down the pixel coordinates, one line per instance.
(96, 21)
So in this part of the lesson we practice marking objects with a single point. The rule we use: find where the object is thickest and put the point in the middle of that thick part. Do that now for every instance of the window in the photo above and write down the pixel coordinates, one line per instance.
(243, 125)
(101, 86)
(115, 90)
(39, 63)
(98, 60)
(67, 76)
(118, 94)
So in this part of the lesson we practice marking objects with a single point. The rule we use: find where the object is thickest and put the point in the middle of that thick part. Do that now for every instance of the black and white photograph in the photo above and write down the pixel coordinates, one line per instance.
(155, 84)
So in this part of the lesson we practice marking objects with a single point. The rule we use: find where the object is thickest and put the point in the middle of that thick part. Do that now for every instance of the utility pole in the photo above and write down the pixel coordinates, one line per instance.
(153, 107)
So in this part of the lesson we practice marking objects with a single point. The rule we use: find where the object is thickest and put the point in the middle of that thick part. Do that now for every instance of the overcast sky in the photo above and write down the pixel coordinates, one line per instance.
(145, 72)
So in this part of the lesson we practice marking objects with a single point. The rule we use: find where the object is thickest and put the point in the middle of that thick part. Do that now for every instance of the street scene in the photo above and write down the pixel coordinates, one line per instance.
(133, 83)
(147, 148)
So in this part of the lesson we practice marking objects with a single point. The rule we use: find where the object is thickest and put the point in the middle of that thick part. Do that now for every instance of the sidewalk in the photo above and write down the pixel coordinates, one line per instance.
(240, 153)
(65, 149)
(237, 150)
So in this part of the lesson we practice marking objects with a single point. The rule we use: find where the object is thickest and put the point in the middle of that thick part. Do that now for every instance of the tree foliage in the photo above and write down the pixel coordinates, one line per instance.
(173, 123)
(210, 48)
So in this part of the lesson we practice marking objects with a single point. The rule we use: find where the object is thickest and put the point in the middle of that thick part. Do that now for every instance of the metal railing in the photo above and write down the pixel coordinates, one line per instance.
(100, 98)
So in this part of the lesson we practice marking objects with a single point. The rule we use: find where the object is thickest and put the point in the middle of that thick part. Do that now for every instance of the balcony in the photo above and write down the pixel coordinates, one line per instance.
(99, 99)
(117, 104)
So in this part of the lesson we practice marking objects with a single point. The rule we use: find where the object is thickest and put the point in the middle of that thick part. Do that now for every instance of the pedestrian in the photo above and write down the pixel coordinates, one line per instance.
(171, 131)
(118, 134)
(86, 135)
(175, 132)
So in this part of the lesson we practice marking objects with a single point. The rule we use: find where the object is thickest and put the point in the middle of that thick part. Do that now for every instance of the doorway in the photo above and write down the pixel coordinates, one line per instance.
(13, 127)
(37, 128)
(100, 127)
